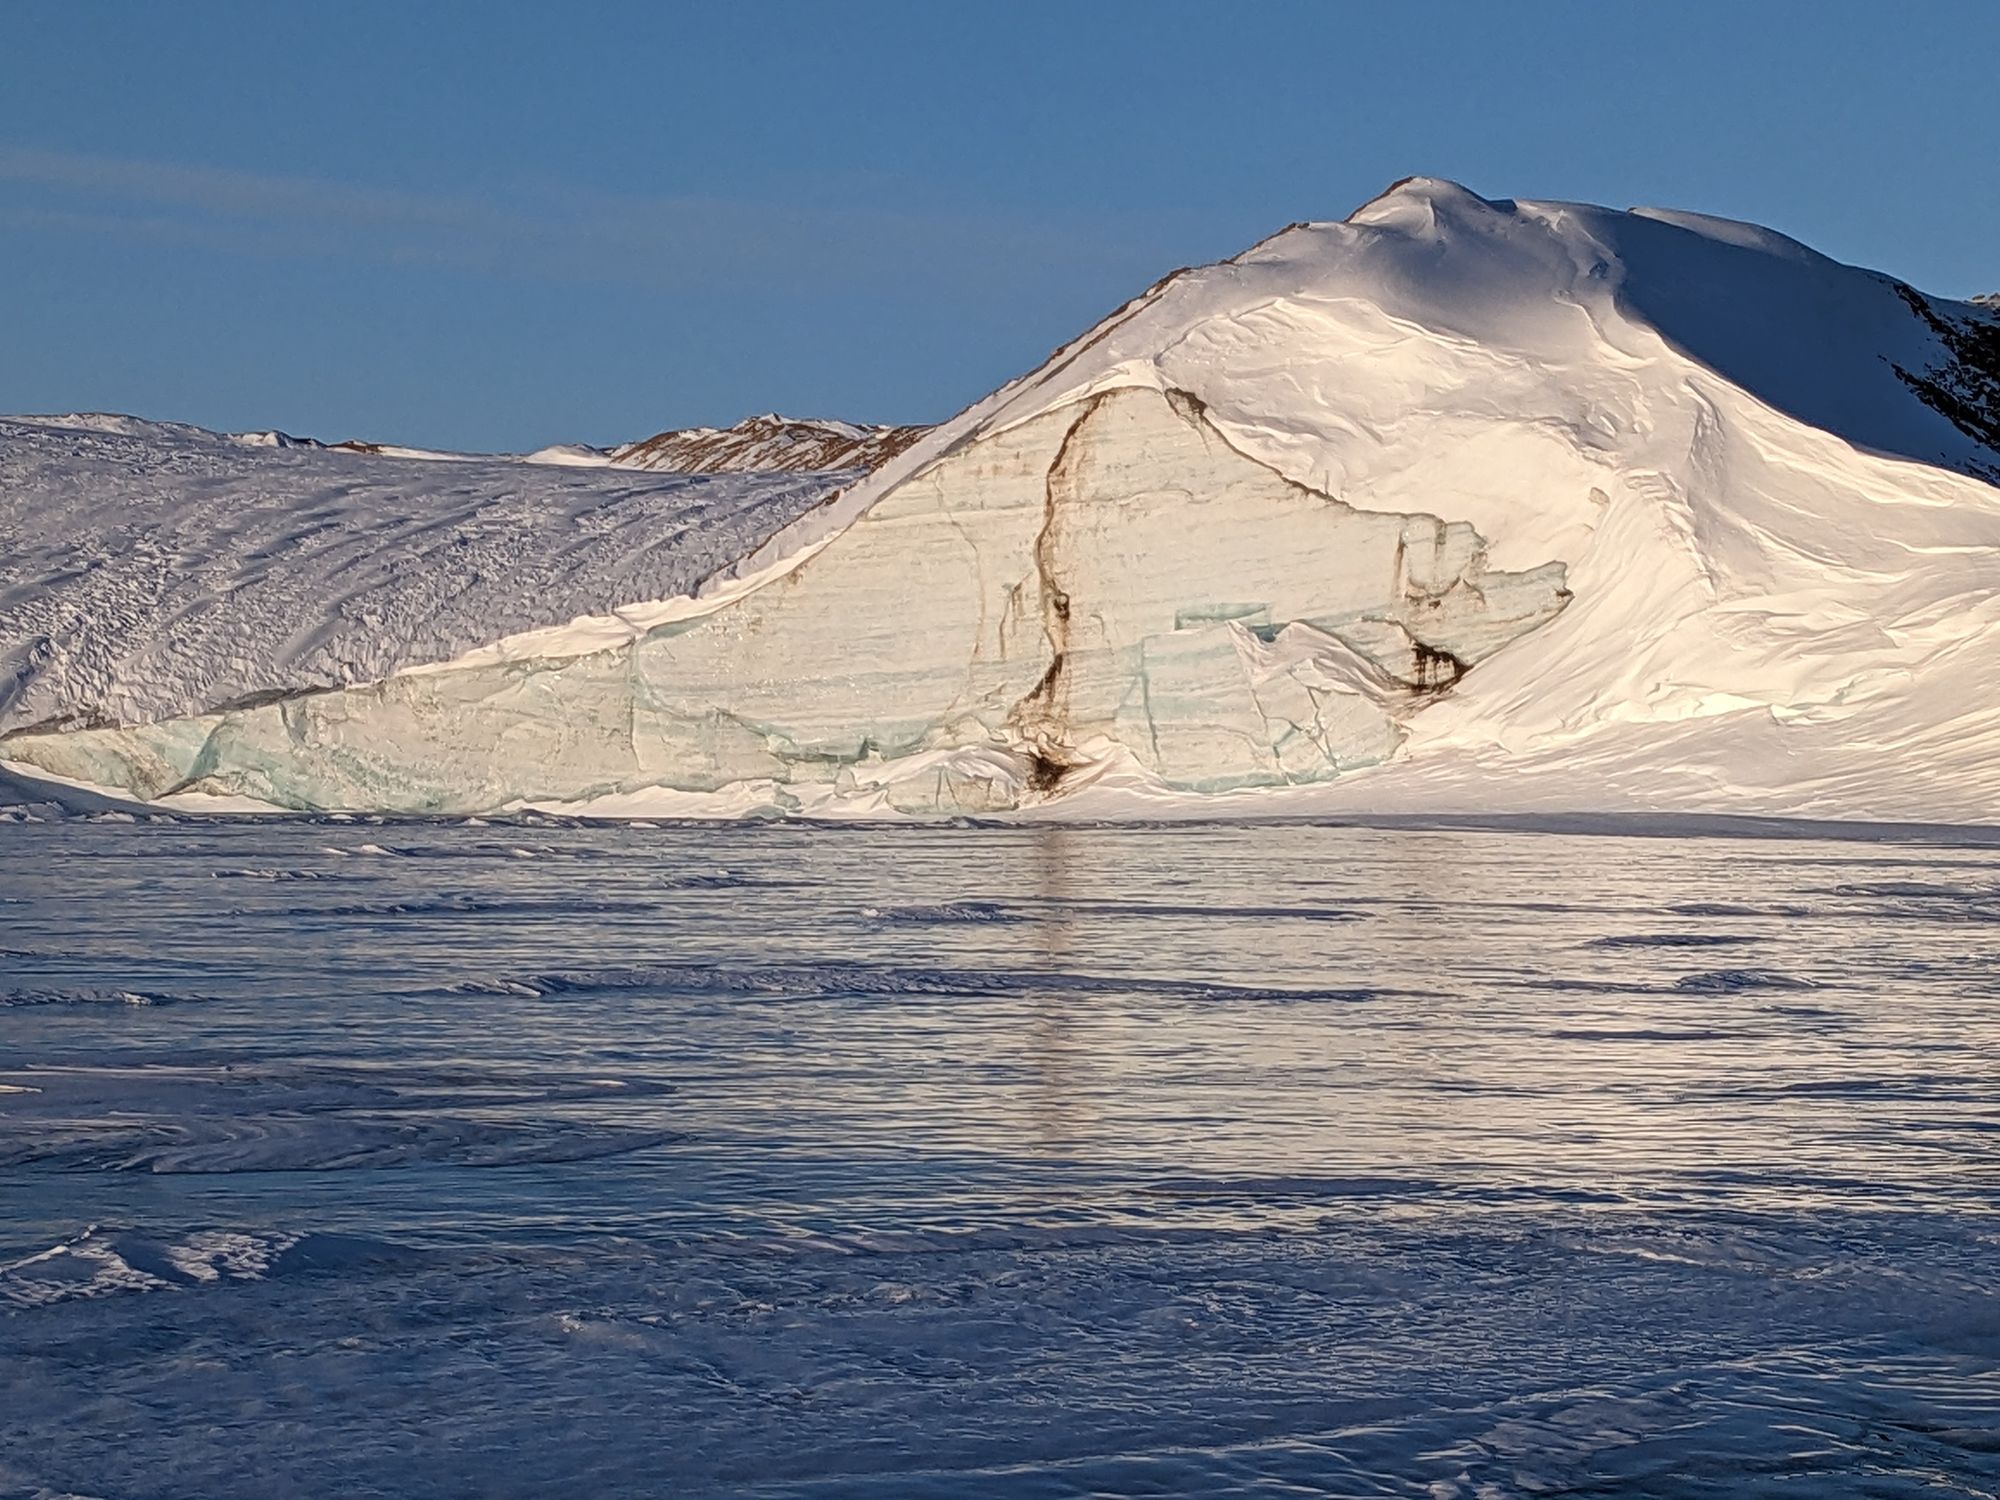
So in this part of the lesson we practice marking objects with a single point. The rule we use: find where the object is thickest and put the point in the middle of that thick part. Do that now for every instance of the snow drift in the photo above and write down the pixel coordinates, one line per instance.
(1457, 505)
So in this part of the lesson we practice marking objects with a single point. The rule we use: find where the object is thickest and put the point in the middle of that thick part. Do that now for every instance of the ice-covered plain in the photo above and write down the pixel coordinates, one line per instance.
(1455, 505)
(419, 1159)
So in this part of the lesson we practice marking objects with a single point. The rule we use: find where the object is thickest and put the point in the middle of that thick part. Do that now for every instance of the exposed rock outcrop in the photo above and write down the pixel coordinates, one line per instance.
(767, 443)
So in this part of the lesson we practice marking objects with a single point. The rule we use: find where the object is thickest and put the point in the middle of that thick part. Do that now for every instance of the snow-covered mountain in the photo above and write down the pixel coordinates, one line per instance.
(115, 424)
(769, 443)
(1456, 505)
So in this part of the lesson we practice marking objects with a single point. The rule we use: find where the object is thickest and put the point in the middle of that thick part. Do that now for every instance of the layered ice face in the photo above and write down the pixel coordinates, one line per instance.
(1110, 576)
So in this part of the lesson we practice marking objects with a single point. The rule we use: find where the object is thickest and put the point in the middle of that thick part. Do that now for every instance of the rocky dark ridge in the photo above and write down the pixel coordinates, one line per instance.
(768, 443)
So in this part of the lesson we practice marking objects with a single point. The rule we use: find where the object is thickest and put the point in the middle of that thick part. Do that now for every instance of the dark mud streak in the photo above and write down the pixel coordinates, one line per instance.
(91, 718)
(1039, 717)
(1437, 670)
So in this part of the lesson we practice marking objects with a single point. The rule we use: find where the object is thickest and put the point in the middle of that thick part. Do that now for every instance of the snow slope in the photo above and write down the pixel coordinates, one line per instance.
(149, 570)
(1457, 505)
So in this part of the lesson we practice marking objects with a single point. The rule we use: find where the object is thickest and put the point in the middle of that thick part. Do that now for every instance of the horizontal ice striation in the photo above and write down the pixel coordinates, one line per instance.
(1110, 577)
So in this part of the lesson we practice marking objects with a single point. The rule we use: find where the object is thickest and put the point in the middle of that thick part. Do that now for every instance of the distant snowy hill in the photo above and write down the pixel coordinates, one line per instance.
(1457, 505)
(115, 425)
(767, 443)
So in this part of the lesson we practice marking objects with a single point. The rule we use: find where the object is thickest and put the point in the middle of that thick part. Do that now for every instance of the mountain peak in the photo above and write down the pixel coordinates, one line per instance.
(1419, 203)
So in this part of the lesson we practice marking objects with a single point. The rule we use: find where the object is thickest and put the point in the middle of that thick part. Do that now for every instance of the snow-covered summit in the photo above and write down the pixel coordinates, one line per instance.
(1277, 329)
(1457, 504)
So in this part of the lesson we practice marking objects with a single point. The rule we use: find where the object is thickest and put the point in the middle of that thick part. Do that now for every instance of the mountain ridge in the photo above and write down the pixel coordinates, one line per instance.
(766, 443)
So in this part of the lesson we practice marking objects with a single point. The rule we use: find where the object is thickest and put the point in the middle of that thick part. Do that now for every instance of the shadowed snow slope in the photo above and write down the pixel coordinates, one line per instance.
(1457, 505)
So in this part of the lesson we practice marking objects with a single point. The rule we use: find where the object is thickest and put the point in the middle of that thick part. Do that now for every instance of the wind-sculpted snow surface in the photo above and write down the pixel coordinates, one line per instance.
(434, 1161)
(149, 570)
(1457, 505)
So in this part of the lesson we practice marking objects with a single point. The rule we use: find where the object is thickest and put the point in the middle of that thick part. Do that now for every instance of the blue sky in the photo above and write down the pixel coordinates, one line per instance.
(494, 226)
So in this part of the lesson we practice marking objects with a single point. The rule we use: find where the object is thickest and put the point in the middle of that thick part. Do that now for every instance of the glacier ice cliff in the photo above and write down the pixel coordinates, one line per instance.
(1456, 505)
(1111, 572)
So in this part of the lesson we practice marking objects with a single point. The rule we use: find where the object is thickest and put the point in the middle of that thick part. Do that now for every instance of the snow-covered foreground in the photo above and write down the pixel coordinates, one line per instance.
(1456, 505)
(426, 1160)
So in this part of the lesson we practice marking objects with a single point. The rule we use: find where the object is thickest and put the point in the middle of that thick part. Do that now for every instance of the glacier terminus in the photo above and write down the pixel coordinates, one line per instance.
(1456, 505)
